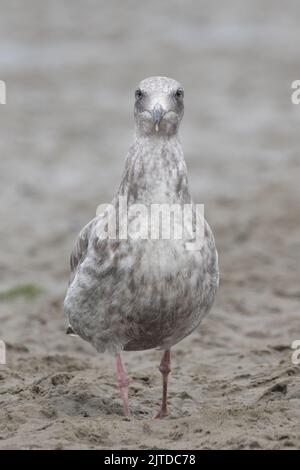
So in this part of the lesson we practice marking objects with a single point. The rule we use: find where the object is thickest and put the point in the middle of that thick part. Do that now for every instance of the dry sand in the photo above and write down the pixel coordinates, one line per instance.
(70, 74)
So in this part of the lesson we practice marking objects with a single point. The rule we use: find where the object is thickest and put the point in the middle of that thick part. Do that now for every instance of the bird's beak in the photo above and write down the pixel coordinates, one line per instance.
(157, 114)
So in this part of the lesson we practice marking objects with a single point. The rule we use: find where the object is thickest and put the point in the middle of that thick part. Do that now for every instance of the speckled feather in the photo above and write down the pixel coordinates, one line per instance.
(140, 294)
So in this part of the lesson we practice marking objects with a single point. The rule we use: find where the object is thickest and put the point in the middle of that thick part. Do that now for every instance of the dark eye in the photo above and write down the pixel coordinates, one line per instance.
(179, 93)
(138, 94)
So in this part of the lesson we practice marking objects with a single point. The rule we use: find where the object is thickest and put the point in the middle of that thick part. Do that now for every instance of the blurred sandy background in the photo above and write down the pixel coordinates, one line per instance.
(71, 69)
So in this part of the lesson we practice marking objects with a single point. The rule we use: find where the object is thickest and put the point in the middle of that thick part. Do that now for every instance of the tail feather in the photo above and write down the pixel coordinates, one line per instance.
(70, 331)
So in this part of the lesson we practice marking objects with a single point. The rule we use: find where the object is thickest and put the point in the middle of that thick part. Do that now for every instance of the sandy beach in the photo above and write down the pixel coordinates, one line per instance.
(70, 74)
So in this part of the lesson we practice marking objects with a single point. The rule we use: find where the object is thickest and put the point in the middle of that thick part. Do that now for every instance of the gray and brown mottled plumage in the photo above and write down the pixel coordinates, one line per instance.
(137, 294)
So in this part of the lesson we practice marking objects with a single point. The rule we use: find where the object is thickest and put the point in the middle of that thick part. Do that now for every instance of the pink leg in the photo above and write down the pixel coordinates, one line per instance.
(165, 369)
(123, 384)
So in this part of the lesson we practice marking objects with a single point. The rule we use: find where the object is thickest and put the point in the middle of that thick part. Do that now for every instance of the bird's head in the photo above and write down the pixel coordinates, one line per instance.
(158, 106)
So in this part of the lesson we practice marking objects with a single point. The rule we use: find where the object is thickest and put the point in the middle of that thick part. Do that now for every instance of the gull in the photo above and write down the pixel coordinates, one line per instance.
(133, 293)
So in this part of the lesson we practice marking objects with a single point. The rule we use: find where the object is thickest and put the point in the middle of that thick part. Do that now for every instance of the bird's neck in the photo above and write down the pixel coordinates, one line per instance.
(155, 172)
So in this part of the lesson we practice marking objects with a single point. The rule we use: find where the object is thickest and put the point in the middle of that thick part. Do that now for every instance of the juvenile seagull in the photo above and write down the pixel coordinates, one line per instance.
(140, 293)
